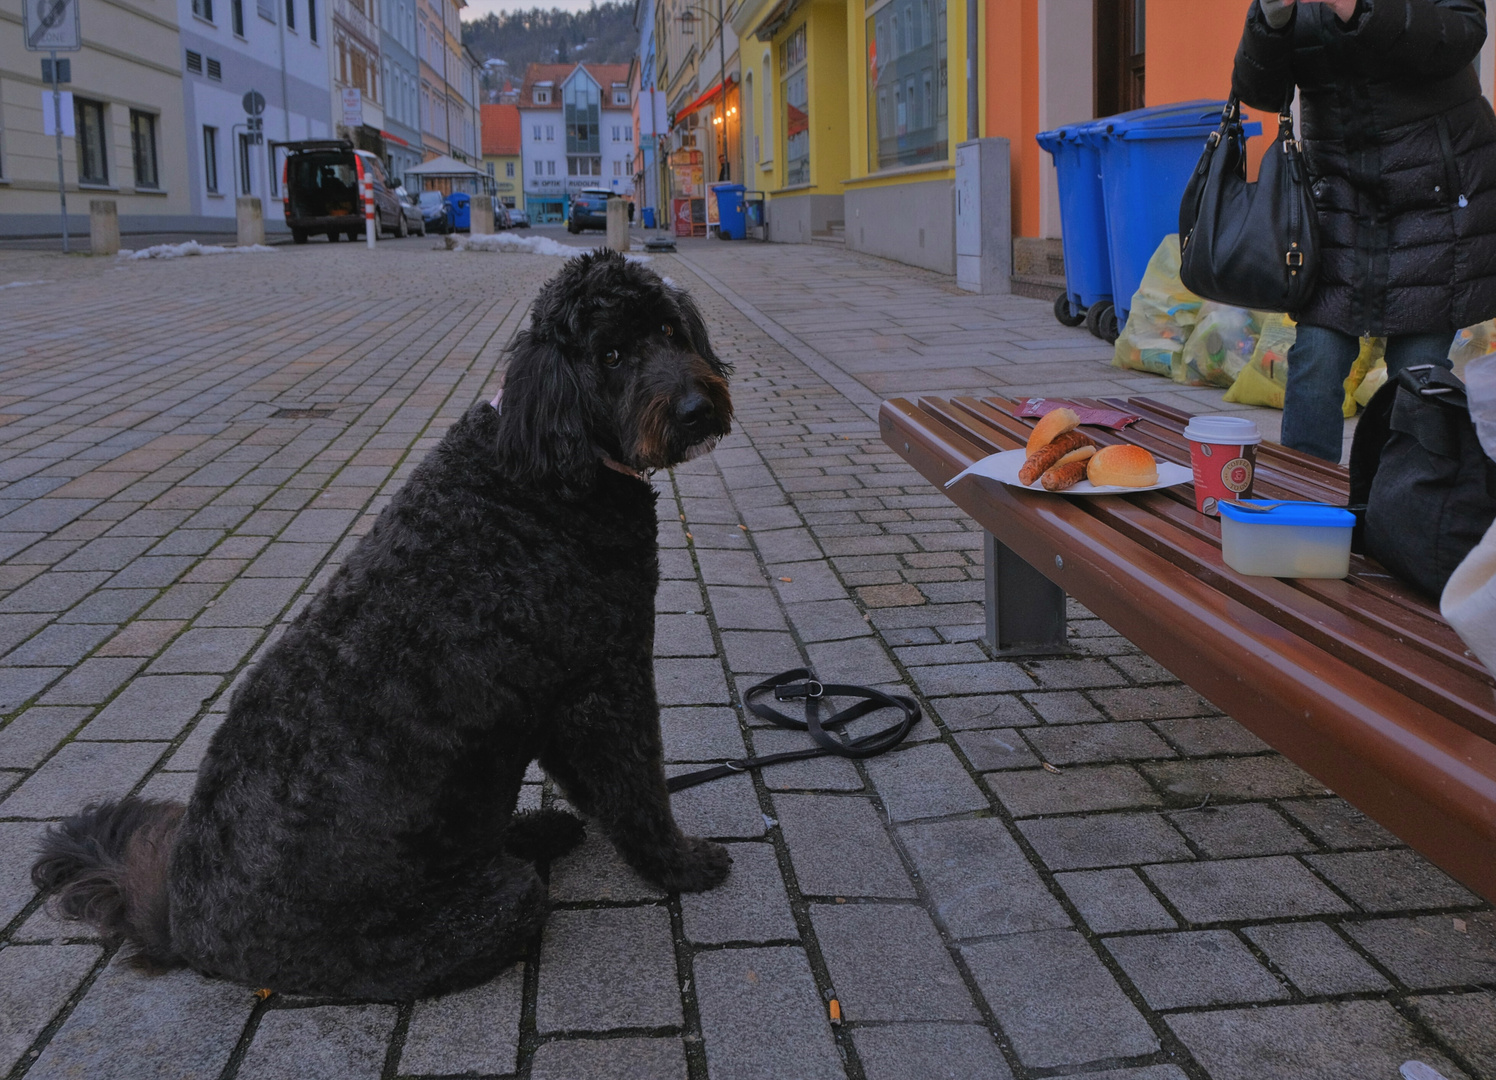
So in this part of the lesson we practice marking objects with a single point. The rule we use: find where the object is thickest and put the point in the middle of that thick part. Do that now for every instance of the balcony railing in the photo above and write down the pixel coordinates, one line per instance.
(356, 21)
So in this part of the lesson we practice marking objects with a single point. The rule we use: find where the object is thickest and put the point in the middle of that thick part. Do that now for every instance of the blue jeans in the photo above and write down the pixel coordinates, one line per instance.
(1318, 364)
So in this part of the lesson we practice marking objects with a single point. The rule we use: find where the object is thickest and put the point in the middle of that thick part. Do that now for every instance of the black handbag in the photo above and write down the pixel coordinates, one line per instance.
(1251, 245)
(1428, 487)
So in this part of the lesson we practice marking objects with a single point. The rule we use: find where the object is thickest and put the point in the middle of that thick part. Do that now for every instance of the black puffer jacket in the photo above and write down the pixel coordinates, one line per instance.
(1402, 149)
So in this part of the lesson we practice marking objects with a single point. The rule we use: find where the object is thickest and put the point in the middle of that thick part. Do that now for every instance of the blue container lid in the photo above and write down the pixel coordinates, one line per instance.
(1316, 515)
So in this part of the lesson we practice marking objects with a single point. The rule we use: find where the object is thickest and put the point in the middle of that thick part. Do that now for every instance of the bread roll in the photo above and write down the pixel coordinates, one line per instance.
(1122, 466)
(1050, 427)
(1080, 453)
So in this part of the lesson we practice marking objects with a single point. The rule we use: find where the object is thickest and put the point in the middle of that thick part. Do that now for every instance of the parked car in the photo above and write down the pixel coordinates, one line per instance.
(589, 210)
(414, 222)
(322, 179)
(518, 219)
(434, 212)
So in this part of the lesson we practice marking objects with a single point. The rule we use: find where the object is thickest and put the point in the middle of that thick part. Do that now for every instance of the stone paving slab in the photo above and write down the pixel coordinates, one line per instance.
(1075, 867)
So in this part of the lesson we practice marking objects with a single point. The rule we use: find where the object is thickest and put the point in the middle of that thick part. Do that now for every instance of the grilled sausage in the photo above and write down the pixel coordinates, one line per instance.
(1064, 476)
(1043, 459)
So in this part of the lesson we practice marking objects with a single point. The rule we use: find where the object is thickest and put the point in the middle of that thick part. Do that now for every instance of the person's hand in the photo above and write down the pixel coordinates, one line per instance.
(1343, 9)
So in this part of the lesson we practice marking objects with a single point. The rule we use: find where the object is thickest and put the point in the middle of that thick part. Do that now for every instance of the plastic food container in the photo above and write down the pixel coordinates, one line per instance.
(1292, 540)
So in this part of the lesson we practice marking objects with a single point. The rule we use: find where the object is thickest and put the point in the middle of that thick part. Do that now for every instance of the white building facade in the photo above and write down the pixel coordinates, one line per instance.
(236, 56)
(401, 73)
(576, 132)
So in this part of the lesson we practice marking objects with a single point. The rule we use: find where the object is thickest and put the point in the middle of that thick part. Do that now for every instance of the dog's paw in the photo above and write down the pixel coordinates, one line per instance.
(697, 865)
(538, 835)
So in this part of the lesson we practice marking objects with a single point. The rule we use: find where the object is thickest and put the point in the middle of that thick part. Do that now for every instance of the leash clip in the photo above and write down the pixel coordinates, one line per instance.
(810, 688)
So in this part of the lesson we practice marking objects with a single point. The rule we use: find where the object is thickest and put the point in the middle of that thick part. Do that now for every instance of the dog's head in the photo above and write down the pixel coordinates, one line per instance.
(615, 364)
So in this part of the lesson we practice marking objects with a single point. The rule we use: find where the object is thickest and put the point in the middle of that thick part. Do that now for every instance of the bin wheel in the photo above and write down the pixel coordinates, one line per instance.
(1065, 313)
(1105, 325)
(1094, 315)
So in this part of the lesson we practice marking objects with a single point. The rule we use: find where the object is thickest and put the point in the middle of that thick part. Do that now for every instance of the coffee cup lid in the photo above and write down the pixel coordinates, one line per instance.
(1232, 430)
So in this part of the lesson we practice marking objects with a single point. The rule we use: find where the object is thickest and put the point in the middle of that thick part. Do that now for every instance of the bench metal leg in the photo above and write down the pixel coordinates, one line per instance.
(1025, 610)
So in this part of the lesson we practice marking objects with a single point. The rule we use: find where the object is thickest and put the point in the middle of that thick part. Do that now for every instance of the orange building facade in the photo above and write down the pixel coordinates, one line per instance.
(1054, 62)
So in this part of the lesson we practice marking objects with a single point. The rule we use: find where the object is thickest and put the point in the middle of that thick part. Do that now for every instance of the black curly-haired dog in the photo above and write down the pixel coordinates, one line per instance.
(353, 831)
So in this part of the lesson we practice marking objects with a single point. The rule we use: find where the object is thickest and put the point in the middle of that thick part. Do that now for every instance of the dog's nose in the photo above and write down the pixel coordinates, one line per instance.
(694, 410)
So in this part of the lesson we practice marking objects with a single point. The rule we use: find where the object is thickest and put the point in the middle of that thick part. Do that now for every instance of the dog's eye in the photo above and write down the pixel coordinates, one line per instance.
(611, 360)
(668, 330)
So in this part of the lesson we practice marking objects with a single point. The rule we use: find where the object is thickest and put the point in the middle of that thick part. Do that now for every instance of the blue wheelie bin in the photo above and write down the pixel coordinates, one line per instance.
(649, 217)
(460, 203)
(1088, 262)
(1146, 160)
(732, 219)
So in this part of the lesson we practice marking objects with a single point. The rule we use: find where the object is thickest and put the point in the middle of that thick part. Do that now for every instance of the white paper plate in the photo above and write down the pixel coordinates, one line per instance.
(1004, 468)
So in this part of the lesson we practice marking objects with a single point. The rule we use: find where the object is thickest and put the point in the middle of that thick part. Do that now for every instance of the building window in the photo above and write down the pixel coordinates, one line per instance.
(266, 9)
(906, 83)
(236, 16)
(582, 115)
(550, 133)
(617, 168)
(542, 97)
(311, 19)
(203, 9)
(584, 166)
(509, 169)
(796, 109)
(210, 158)
(290, 14)
(143, 148)
(540, 168)
(93, 165)
(628, 134)
(550, 168)
(767, 112)
(246, 176)
(537, 132)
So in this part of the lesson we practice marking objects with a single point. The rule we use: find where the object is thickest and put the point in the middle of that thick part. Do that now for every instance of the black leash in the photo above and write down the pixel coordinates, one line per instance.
(801, 683)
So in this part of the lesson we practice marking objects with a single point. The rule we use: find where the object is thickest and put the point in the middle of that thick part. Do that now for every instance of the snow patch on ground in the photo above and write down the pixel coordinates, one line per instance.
(528, 245)
(191, 247)
(21, 284)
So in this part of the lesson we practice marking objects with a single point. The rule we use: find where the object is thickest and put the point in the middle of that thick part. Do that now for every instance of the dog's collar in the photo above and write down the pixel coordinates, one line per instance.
(616, 466)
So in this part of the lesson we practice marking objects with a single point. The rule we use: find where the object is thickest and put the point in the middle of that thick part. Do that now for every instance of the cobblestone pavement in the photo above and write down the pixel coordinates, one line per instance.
(1074, 867)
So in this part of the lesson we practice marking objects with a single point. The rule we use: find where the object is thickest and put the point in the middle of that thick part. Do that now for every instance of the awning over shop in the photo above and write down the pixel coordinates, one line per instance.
(701, 100)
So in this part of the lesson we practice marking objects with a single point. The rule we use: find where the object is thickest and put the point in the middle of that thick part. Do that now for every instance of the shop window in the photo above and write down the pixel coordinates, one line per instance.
(906, 83)
(93, 163)
(143, 148)
(796, 109)
(210, 158)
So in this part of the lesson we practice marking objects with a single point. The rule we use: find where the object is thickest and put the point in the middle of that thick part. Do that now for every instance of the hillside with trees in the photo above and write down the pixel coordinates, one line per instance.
(603, 34)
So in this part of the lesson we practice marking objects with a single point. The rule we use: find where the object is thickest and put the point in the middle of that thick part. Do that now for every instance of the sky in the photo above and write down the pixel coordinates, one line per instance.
(476, 9)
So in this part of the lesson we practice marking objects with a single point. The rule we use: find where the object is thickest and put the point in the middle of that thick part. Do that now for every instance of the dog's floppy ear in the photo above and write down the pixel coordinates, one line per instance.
(695, 328)
(543, 430)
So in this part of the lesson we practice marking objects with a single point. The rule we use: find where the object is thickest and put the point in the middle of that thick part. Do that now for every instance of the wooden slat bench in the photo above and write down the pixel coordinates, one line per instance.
(1359, 682)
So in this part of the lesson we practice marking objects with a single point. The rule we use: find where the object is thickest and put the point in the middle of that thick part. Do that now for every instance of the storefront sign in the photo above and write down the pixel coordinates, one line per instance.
(353, 106)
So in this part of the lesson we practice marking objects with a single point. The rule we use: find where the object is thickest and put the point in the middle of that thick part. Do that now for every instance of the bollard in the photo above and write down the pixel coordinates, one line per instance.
(480, 219)
(618, 225)
(250, 213)
(371, 226)
(103, 226)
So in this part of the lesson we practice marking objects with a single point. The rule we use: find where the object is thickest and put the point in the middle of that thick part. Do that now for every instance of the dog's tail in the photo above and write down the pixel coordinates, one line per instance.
(108, 867)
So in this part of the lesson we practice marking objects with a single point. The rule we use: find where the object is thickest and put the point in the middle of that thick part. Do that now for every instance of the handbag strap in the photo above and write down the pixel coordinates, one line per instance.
(801, 684)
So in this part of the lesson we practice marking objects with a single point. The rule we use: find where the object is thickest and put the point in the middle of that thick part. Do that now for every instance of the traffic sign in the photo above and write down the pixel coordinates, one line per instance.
(254, 103)
(51, 25)
(64, 70)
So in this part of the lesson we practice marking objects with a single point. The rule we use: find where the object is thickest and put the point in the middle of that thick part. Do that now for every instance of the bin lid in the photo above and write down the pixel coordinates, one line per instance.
(728, 187)
(1290, 513)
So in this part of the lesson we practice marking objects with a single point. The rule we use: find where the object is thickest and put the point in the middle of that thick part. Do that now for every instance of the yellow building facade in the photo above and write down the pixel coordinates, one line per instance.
(127, 110)
(853, 110)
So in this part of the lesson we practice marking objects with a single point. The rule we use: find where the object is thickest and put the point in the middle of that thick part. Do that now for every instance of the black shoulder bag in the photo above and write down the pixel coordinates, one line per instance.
(1429, 489)
(1251, 245)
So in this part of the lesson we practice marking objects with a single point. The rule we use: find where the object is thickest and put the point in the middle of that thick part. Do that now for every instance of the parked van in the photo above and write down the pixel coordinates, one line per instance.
(322, 180)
